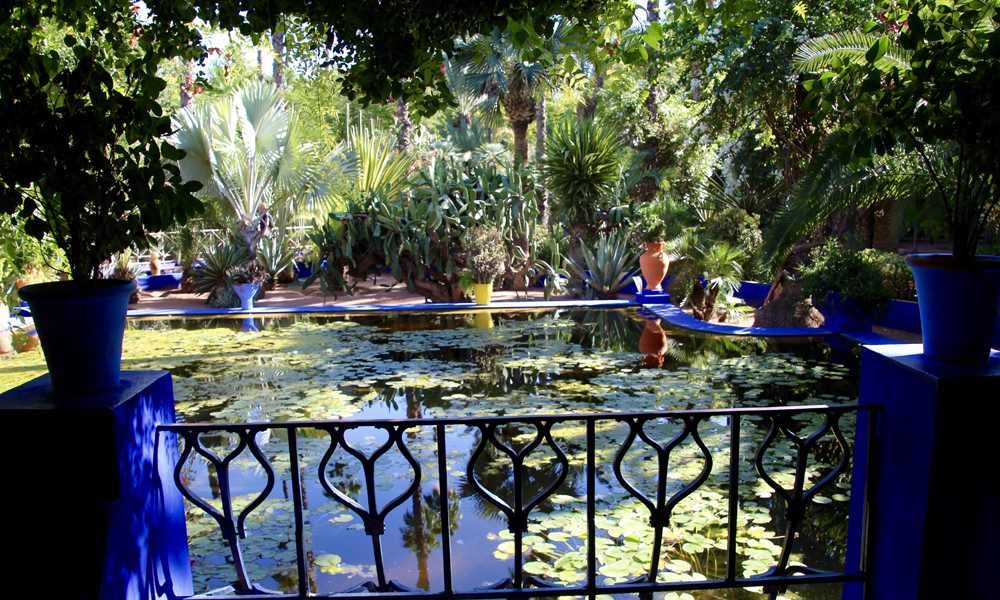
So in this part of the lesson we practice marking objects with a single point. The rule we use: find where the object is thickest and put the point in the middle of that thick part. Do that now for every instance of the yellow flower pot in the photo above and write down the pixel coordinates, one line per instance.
(483, 292)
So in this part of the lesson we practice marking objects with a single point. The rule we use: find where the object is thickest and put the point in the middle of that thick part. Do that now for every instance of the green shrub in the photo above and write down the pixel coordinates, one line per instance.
(870, 278)
(213, 276)
(485, 254)
(421, 240)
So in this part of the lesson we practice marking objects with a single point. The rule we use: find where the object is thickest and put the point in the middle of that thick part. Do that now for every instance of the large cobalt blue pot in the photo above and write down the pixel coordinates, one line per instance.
(959, 305)
(81, 325)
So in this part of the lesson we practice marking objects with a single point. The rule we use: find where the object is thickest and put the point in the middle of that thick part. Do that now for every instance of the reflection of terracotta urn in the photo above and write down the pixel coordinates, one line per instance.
(654, 265)
(653, 340)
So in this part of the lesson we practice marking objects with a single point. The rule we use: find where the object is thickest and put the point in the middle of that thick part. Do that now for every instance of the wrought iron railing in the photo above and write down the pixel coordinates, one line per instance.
(778, 423)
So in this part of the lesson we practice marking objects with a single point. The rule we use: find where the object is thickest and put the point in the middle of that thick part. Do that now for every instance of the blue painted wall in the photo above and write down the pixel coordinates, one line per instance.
(936, 492)
(92, 519)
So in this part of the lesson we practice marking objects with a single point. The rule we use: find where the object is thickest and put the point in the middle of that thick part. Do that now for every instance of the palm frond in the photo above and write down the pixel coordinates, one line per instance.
(819, 53)
(828, 187)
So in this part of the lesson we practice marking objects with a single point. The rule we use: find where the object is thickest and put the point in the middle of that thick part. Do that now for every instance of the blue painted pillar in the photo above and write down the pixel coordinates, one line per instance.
(935, 481)
(86, 515)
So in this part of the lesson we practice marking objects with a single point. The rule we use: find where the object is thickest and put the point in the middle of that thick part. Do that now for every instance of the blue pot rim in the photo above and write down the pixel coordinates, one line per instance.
(947, 262)
(80, 289)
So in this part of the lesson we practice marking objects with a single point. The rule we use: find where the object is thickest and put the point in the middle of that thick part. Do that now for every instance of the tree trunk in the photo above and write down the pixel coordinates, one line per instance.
(260, 65)
(520, 129)
(541, 140)
(711, 297)
(586, 108)
(405, 125)
(653, 14)
(883, 237)
(278, 66)
(188, 84)
(251, 233)
(697, 300)
(577, 237)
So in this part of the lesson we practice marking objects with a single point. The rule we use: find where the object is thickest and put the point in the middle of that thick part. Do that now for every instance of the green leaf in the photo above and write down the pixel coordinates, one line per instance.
(877, 50)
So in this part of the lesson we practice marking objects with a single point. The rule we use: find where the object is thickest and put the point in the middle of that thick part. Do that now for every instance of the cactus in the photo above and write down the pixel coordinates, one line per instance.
(420, 239)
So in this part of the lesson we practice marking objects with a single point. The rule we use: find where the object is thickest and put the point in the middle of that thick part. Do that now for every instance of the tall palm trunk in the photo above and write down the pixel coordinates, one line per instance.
(187, 84)
(405, 124)
(520, 107)
(588, 106)
(520, 129)
(278, 65)
(541, 138)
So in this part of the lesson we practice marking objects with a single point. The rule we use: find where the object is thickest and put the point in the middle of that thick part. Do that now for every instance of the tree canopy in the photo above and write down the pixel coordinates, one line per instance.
(81, 156)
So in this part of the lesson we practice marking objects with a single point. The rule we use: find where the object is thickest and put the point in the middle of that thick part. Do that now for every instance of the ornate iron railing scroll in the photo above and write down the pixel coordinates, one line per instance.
(543, 434)
(661, 508)
(517, 515)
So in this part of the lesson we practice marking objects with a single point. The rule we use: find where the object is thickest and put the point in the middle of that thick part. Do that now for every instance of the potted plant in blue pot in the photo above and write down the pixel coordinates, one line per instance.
(83, 166)
(926, 86)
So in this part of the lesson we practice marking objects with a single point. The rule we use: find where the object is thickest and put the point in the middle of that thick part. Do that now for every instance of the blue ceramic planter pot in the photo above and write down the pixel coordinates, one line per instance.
(246, 292)
(959, 305)
(81, 325)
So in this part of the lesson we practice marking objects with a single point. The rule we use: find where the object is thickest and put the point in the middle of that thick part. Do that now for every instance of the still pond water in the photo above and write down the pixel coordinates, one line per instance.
(425, 366)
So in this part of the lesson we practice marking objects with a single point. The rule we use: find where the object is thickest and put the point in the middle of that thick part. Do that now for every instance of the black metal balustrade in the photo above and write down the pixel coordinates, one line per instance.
(779, 422)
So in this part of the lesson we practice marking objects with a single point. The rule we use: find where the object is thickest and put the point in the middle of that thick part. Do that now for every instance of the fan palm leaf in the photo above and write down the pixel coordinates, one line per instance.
(251, 154)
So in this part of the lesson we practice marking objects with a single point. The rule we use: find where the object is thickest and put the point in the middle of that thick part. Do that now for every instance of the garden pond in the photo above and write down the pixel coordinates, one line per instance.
(422, 365)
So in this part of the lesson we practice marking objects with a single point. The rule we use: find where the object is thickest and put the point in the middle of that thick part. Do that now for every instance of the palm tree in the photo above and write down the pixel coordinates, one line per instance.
(894, 185)
(250, 154)
(899, 184)
(506, 82)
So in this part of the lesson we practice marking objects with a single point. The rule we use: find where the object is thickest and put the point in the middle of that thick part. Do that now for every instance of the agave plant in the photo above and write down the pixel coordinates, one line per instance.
(274, 257)
(608, 269)
(213, 275)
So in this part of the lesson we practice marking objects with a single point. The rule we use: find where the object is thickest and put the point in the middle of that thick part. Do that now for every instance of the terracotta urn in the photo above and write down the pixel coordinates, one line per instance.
(5, 331)
(654, 264)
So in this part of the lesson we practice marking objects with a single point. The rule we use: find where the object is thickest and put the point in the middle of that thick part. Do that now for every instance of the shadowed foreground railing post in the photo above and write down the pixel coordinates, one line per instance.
(784, 423)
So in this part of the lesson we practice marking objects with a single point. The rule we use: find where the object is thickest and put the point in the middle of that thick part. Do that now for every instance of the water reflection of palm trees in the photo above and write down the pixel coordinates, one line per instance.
(495, 473)
(422, 527)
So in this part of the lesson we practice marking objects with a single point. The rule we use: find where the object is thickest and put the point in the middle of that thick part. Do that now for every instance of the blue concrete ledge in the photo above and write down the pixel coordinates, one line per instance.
(375, 308)
(675, 316)
(867, 338)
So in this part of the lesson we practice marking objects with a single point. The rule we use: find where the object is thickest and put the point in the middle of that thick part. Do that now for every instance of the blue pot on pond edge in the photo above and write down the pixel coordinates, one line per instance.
(959, 305)
(246, 293)
(81, 325)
